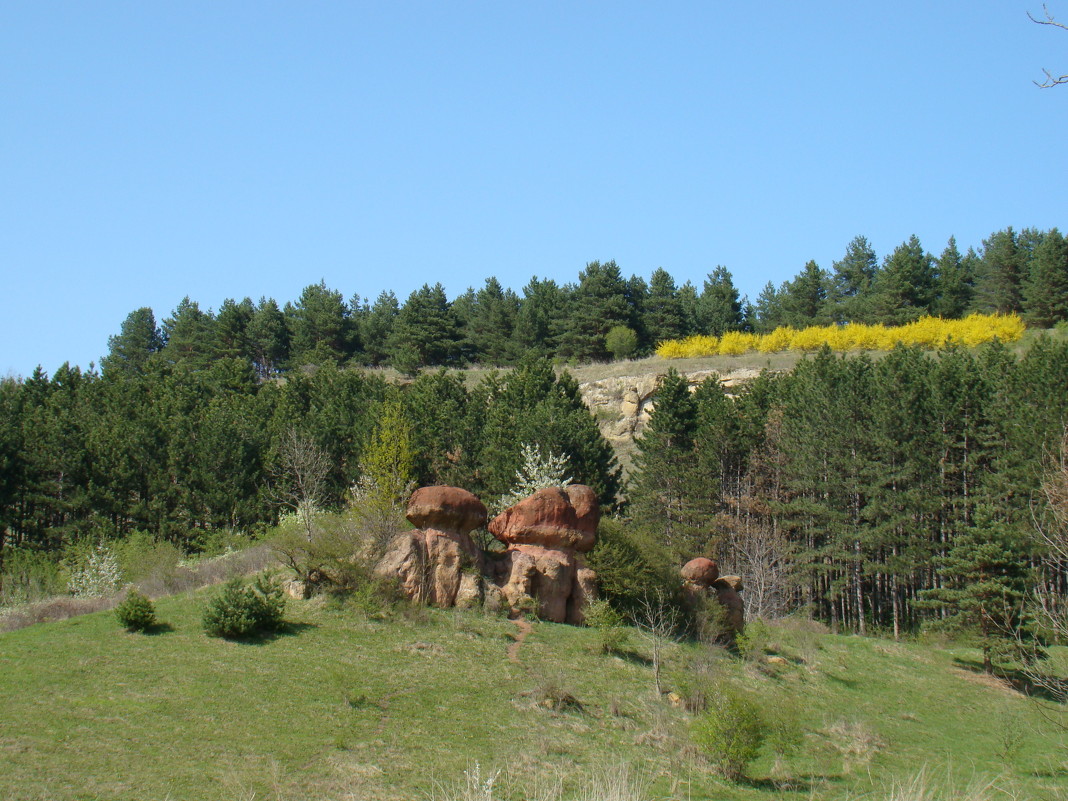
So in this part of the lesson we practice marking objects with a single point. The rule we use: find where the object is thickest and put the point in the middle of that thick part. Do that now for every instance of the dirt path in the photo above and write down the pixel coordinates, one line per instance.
(524, 630)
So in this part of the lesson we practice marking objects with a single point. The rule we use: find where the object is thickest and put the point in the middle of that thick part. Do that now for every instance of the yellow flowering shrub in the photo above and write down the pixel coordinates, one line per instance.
(927, 332)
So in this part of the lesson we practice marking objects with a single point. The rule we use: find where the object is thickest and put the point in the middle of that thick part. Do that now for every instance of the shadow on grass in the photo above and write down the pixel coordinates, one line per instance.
(157, 629)
(635, 658)
(806, 783)
(851, 684)
(267, 637)
(1030, 683)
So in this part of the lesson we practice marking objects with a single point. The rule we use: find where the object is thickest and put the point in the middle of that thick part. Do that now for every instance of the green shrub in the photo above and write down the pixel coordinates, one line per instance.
(136, 612)
(609, 625)
(630, 566)
(239, 610)
(731, 732)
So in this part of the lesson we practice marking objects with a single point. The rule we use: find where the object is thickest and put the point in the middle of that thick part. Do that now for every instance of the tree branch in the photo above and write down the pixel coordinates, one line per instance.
(1051, 79)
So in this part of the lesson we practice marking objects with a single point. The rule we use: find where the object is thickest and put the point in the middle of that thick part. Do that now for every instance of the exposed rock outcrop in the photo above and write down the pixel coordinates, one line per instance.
(438, 562)
(623, 405)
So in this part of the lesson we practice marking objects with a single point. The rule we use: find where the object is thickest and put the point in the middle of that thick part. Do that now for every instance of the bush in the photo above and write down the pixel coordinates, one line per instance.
(97, 575)
(240, 610)
(136, 612)
(731, 733)
(631, 565)
(609, 624)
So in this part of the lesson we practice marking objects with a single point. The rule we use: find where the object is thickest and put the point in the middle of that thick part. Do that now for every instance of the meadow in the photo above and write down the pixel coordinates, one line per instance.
(356, 703)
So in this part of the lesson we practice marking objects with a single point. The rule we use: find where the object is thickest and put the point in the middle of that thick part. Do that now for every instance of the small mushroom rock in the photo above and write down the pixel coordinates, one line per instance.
(432, 561)
(701, 571)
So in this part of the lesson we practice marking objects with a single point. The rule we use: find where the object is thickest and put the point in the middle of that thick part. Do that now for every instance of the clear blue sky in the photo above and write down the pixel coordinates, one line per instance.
(221, 149)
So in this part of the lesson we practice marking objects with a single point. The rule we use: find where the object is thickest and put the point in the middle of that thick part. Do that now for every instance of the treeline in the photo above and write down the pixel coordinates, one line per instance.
(179, 453)
(603, 315)
(848, 484)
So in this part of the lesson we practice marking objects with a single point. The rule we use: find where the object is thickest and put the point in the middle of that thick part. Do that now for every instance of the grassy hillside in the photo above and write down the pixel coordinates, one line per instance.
(343, 706)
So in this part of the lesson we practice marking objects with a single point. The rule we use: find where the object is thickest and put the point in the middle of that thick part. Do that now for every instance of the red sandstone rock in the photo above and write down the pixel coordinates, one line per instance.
(445, 509)
(553, 518)
(700, 571)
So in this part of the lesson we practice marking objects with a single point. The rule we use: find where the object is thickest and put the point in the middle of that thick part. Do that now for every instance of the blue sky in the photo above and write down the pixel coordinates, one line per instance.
(150, 151)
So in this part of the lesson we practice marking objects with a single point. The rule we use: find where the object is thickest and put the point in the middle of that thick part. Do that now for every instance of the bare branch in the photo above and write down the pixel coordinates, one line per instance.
(1051, 79)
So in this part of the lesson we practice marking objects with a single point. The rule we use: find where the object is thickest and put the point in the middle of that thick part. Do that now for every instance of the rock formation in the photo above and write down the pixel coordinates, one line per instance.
(545, 534)
(438, 562)
(541, 570)
(700, 578)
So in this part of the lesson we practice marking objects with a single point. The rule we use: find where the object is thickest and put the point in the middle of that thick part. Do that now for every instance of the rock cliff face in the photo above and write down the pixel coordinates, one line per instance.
(622, 405)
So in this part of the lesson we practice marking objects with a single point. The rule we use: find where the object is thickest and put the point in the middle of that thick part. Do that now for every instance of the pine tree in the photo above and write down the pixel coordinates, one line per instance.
(956, 281)
(804, 299)
(1045, 290)
(376, 327)
(319, 326)
(599, 304)
(671, 498)
(905, 286)
(189, 334)
(1000, 274)
(130, 350)
(852, 280)
(426, 331)
(231, 337)
(987, 579)
(268, 338)
(489, 322)
(719, 309)
(541, 318)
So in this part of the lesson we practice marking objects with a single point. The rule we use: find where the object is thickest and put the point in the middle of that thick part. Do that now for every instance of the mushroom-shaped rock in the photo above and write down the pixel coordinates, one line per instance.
(701, 571)
(445, 509)
(552, 518)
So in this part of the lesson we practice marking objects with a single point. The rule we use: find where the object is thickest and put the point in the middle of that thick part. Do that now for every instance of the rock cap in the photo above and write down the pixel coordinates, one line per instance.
(445, 509)
(552, 518)
(701, 571)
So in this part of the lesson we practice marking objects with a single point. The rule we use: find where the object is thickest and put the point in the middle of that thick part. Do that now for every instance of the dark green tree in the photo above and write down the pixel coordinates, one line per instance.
(189, 335)
(987, 580)
(599, 304)
(905, 286)
(956, 282)
(671, 498)
(130, 350)
(319, 326)
(376, 327)
(1000, 274)
(719, 309)
(804, 299)
(664, 316)
(851, 280)
(541, 317)
(268, 338)
(1045, 290)
(426, 331)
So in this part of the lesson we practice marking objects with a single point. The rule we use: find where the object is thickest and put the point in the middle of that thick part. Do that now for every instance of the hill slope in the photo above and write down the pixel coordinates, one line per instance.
(343, 706)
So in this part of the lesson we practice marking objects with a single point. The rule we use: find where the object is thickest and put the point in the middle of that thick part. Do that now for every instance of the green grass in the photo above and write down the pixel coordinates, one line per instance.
(342, 707)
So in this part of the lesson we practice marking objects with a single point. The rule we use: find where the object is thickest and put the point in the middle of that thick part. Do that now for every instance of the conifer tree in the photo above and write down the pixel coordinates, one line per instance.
(671, 497)
(541, 317)
(804, 299)
(130, 350)
(719, 309)
(987, 579)
(319, 326)
(1045, 289)
(599, 303)
(426, 331)
(956, 280)
(376, 327)
(1000, 274)
(268, 338)
(852, 280)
